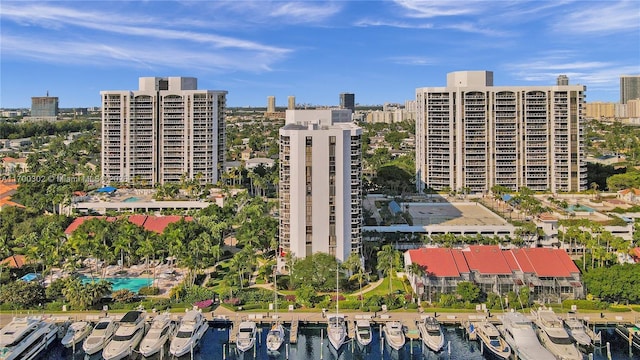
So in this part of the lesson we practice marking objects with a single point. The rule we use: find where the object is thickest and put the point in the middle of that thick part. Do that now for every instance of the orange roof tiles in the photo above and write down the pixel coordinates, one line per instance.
(487, 259)
(491, 260)
(438, 261)
(149, 223)
(14, 261)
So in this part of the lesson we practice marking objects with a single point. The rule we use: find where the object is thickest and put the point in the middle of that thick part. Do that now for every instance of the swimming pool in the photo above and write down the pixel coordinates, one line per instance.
(131, 199)
(579, 208)
(133, 284)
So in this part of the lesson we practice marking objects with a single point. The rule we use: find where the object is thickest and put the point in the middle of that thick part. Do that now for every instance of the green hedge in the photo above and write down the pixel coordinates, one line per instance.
(586, 304)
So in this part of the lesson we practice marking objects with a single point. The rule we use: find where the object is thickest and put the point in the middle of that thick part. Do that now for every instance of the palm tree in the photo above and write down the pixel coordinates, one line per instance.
(417, 270)
(388, 260)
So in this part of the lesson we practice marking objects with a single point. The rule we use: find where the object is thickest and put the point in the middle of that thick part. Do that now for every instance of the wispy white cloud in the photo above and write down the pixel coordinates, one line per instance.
(145, 42)
(394, 24)
(276, 13)
(413, 60)
(436, 8)
(601, 17)
(138, 55)
(598, 75)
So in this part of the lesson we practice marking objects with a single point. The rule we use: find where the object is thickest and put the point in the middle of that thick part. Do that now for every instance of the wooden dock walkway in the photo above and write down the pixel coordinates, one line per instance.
(351, 329)
(411, 330)
(233, 333)
(293, 332)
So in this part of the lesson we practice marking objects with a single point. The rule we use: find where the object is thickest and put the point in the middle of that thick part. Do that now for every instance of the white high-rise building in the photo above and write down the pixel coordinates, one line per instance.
(471, 135)
(320, 183)
(164, 132)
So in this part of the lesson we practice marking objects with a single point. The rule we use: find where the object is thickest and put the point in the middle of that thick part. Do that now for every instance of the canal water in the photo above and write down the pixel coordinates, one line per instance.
(310, 346)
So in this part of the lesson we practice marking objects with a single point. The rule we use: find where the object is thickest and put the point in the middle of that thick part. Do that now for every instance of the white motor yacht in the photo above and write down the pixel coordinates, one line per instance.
(431, 333)
(76, 332)
(130, 331)
(190, 331)
(26, 338)
(246, 335)
(363, 332)
(394, 334)
(275, 337)
(336, 330)
(99, 336)
(491, 339)
(553, 335)
(577, 331)
(518, 332)
(161, 330)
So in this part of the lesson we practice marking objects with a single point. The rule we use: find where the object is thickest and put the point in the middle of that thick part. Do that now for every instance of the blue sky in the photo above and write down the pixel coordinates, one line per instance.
(379, 50)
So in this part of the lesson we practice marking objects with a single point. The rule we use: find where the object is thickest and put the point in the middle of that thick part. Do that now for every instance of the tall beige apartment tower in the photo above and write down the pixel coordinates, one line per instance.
(291, 103)
(471, 135)
(320, 185)
(165, 131)
(271, 104)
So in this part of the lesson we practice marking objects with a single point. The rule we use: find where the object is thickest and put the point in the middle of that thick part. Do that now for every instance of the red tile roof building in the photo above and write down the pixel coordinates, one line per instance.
(150, 223)
(546, 271)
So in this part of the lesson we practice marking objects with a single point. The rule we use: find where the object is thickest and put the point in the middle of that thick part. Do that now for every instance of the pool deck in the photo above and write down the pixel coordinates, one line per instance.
(166, 276)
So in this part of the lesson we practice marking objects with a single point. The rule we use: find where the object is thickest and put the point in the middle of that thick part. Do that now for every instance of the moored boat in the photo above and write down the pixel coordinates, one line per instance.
(76, 333)
(630, 333)
(161, 330)
(246, 335)
(26, 338)
(577, 331)
(363, 332)
(336, 330)
(190, 331)
(275, 337)
(431, 333)
(126, 338)
(518, 332)
(99, 336)
(394, 334)
(553, 335)
(491, 340)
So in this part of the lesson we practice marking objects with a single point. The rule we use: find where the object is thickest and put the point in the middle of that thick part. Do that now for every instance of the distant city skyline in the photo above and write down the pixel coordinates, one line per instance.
(381, 51)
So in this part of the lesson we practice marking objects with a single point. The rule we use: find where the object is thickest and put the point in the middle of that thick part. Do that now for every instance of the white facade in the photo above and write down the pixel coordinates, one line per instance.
(472, 135)
(166, 130)
(320, 183)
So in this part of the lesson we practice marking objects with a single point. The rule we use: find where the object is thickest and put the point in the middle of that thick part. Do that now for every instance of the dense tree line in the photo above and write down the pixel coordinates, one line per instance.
(625, 288)
(10, 130)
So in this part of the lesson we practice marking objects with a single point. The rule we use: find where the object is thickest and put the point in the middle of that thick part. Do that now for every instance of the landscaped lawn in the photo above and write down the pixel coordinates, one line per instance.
(383, 288)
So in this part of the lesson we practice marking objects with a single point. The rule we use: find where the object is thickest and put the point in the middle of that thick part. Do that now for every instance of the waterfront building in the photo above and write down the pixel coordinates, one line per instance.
(472, 135)
(320, 186)
(164, 132)
(547, 272)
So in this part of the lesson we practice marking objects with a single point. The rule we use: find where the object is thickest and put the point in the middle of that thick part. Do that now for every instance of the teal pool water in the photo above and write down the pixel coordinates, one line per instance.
(131, 199)
(579, 208)
(133, 284)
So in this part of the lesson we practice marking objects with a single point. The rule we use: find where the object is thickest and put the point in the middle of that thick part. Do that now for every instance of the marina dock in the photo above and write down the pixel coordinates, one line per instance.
(293, 333)
(233, 333)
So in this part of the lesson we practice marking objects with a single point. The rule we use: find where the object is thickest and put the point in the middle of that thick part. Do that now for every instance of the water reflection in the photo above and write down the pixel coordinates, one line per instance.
(312, 346)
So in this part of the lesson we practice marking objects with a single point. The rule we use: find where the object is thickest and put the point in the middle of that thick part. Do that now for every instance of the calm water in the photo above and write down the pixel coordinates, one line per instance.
(310, 347)
(119, 283)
